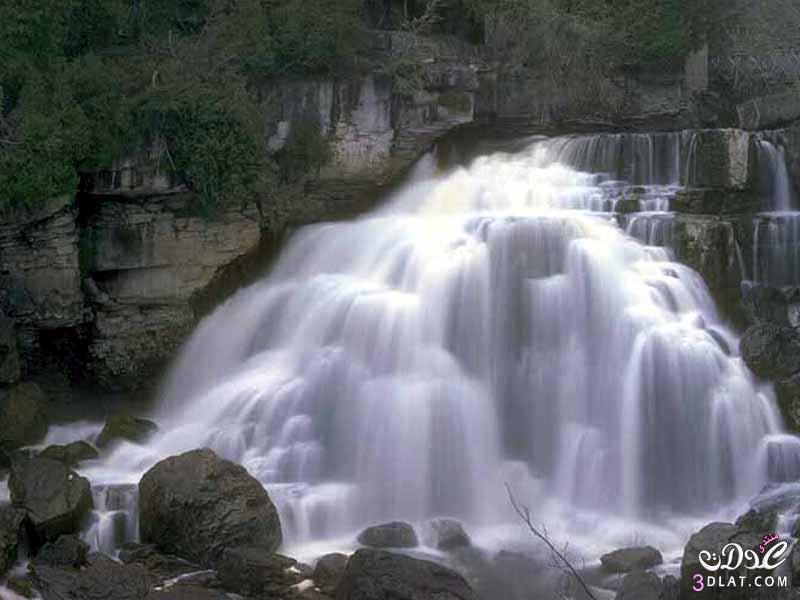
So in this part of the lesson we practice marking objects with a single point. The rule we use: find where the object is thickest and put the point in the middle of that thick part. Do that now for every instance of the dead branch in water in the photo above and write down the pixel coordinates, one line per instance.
(525, 514)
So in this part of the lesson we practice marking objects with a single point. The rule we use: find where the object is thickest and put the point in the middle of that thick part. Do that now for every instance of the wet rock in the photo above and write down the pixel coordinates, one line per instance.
(126, 427)
(640, 585)
(54, 498)
(720, 159)
(11, 531)
(787, 393)
(163, 565)
(9, 353)
(714, 202)
(758, 520)
(23, 416)
(771, 351)
(389, 535)
(195, 505)
(627, 560)
(329, 571)
(101, 579)
(70, 454)
(256, 572)
(449, 534)
(380, 575)
(66, 551)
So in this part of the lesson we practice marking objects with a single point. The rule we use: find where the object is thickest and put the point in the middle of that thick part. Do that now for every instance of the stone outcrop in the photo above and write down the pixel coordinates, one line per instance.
(720, 159)
(126, 427)
(11, 532)
(70, 454)
(771, 111)
(626, 560)
(54, 498)
(448, 534)
(254, 572)
(196, 505)
(145, 262)
(40, 279)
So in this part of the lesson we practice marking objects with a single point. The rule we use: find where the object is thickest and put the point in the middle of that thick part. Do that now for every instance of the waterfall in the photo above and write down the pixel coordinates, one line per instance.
(773, 177)
(489, 324)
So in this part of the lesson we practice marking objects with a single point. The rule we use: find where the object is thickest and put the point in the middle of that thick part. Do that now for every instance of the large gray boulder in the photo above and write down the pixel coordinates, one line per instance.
(54, 498)
(389, 535)
(626, 560)
(11, 532)
(196, 505)
(23, 415)
(9, 353)
(380, 575)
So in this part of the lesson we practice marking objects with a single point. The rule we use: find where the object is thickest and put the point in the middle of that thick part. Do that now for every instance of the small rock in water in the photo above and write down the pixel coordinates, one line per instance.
(66, 551)
(641, 585)
(11, 531)
(196, 505)
(54, 498)
(70, 454)
(389, 535)
(329, 570)
(126, 427)
(448, 534)
(758, 520)
(626, 560)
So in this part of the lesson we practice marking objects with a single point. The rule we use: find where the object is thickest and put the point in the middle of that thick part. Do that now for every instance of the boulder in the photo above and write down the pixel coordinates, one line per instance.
(70, 454)
(195, 505)
(380, 575)
(640, 585)
(9, 353)
(163, 565)
(449, 534)
(54, 498)
(126, 427)
(101, 579)
(11, 531)
(389, 535)
(66, 551)
(771, 351)
(257, 572)
(627, 560)
(23, 416)
(329, 571)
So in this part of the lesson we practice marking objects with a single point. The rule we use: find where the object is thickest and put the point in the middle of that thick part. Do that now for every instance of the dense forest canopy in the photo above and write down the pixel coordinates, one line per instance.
(85, 81)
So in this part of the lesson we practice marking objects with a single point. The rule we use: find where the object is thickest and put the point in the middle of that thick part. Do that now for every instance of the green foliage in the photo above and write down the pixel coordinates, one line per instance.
(83, 82)
(305, 150)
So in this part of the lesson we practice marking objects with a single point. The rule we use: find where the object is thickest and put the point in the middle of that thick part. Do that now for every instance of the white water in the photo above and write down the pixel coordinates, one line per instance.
(483, 327)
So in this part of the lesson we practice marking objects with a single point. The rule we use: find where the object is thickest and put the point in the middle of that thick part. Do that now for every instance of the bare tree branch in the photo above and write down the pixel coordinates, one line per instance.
(525, 514)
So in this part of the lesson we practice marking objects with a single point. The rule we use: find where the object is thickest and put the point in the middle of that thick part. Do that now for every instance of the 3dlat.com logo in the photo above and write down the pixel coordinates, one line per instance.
(733, 557)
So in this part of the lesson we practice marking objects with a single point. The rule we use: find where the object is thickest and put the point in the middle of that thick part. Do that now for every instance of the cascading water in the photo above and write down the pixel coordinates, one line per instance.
(490, 324)
(776, 232)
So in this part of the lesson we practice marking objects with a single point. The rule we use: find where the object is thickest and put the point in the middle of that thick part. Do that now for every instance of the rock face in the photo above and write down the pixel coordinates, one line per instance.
(126, 427)
(54, 498)
(195, 505)
(10, 534)
(770, 111)
(771, 351)
(66, 551)
(329, 571)
(380, 575)
(720, 159)
(389, 535)
(145, 261)
(626, 560)
(715, 202)
(23, 417)
(9, 353)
